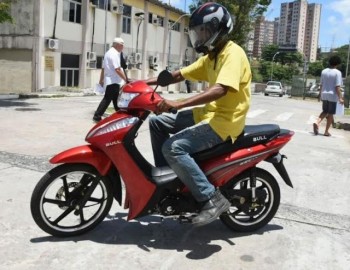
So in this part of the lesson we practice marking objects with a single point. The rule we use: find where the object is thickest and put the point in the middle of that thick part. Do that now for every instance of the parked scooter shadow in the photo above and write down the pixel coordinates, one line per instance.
(151, 232)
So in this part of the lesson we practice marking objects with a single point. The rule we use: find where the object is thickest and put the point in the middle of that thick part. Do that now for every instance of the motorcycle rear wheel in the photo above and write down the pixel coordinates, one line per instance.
(70, 200)
(244, 214)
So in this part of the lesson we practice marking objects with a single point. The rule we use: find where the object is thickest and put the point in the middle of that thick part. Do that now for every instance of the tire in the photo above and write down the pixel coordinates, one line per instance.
(243, 216)
(56, 198)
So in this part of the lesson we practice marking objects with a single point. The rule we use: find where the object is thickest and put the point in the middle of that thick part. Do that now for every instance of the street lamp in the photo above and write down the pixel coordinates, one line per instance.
(273, 59)
(170, 28)
(140, 17)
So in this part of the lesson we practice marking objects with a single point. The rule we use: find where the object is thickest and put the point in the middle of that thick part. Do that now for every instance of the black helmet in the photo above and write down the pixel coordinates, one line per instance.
(208, 25)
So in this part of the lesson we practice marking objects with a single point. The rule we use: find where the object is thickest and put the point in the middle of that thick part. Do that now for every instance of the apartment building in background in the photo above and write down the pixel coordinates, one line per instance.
(263, 35)
(299, 27)
(61, 43)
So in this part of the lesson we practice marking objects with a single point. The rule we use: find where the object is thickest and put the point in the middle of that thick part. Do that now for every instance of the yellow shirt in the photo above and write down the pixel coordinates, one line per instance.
(227, 114)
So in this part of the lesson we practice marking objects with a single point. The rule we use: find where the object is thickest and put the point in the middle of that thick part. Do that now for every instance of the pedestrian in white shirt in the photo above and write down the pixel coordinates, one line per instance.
(331, 80)
(112, 77)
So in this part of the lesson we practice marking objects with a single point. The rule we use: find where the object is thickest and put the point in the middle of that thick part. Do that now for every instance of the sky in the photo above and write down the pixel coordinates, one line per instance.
(334, 25)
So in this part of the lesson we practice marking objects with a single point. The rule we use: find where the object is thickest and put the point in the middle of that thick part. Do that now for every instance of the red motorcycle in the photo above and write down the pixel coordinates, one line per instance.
(76, 196)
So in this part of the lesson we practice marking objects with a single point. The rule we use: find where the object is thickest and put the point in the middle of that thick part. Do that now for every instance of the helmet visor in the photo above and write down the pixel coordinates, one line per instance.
(202, 35)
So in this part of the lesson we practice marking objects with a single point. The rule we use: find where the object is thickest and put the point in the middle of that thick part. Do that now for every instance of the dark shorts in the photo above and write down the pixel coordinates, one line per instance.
(329, 107)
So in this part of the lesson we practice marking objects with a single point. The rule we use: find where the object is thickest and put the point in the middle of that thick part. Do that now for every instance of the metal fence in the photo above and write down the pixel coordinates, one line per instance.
(299, 89)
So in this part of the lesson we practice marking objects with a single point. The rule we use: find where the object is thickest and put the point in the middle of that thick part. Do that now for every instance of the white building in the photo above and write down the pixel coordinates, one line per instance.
(263, 35)
(61, 43)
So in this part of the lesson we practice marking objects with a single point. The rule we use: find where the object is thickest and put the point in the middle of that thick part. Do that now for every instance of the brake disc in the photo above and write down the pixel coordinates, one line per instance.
(60, 195)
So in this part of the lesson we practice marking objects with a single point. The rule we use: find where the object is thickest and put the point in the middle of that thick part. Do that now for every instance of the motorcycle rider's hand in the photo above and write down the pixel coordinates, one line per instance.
(165, 106)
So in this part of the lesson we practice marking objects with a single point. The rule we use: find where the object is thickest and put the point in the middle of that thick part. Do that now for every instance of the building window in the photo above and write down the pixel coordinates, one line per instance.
(189, 43)
(127, 19)
(72, 11)
(174, 26)
(160, 21)
(70, 70)
(102, 4)
(99, 61)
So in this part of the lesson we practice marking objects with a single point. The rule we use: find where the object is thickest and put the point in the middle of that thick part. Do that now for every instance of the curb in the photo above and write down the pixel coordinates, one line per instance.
(9, 96)
(54, 95)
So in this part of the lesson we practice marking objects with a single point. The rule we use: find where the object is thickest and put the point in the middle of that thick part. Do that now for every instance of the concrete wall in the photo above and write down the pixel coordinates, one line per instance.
(16, 64)
(20, 33)
(15, 71)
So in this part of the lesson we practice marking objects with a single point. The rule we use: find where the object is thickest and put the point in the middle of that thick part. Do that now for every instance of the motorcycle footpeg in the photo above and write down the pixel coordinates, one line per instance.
(186, 219)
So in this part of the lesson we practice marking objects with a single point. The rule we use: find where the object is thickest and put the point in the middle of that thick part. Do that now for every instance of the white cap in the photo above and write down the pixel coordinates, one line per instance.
(118, 40)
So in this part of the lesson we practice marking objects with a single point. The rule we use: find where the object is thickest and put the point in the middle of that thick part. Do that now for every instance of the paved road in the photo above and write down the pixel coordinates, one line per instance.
(310, 231)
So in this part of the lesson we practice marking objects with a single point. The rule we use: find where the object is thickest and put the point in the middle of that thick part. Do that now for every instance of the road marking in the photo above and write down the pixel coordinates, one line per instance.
(284, 116)
(255, 113)
(93, 101)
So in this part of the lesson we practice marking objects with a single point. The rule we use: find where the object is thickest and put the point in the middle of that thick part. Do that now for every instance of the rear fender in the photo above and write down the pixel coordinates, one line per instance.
(277, 161)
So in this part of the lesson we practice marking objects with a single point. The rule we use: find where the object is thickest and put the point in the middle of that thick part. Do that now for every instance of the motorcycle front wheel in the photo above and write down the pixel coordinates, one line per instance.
(71, 199)
(253, 203)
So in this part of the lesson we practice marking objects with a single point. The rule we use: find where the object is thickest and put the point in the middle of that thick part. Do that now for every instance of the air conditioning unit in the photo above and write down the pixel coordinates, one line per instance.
(134, 58)
(138, 58)
(93, 3)
(131, 59)
(53, 44)
(91, 64)
(116, 7)
(155, 21)
(91, 56)
(153, 62)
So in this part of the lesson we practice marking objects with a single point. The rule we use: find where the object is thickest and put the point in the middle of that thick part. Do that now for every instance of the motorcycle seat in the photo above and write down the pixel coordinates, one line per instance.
(252, 135)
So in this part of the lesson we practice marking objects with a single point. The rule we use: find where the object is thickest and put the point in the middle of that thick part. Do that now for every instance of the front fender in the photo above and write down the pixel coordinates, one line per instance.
(85, 154)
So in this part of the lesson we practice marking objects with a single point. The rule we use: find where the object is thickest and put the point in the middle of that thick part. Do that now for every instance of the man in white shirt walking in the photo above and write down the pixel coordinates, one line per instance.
(331, 80)
(112, 76)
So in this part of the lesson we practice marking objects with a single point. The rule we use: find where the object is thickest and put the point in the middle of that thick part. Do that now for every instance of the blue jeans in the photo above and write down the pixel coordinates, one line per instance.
(175, 151)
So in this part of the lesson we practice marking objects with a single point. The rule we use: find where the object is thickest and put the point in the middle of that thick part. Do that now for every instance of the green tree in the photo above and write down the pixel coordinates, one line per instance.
(342, 52)
(281, 72)
(315, 68)
(5, 9)
(195, 4)
(244, 12)
(282, 57)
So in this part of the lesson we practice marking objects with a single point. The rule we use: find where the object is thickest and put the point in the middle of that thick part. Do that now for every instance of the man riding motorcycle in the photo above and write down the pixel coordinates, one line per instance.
(226, 101)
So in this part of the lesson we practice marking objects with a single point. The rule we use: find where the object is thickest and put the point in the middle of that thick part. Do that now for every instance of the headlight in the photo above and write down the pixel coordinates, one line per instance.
(125, 98)
(112, 126)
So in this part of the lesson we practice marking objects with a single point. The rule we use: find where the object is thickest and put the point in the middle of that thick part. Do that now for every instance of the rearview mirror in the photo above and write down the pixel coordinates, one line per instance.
(165, 78)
